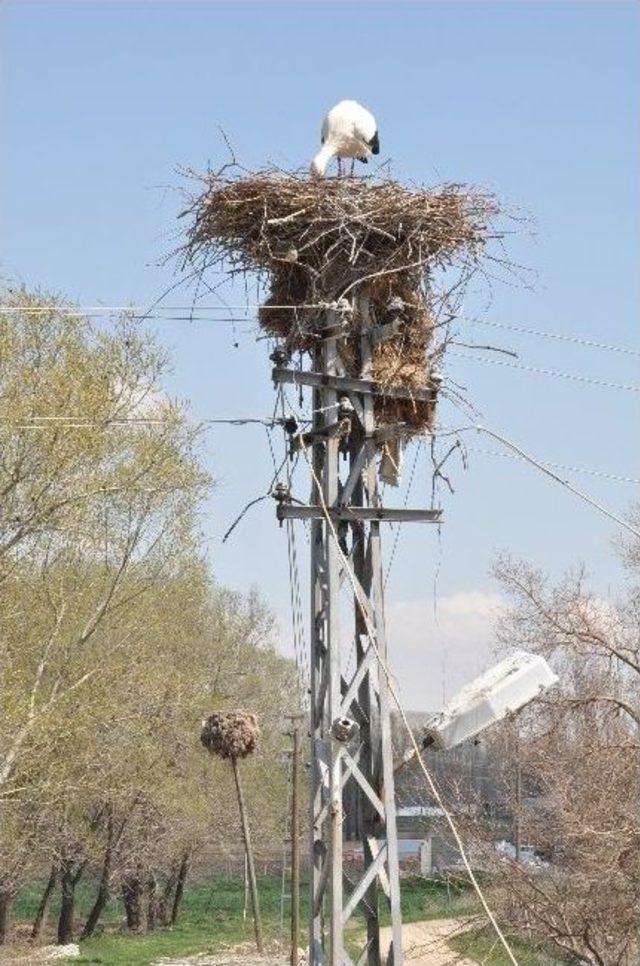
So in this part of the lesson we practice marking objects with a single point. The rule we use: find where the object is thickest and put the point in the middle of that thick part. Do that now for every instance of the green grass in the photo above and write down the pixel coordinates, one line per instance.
(28, 899)
(482, 946)
(211, 918)
(435, 899)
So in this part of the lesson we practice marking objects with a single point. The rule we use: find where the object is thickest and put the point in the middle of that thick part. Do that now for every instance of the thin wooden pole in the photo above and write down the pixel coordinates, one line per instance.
(295, 846)
(257, 922)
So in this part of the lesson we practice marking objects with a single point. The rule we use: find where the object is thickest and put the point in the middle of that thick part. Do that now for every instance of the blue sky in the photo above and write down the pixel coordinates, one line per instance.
(536, 101)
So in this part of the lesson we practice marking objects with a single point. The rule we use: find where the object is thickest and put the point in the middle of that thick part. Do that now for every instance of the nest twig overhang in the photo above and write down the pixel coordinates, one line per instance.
(338, 229)
(318, 241)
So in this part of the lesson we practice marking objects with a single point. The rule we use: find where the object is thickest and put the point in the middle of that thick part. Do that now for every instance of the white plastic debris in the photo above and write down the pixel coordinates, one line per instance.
(505, 688)
(390, 470)
(70, 951)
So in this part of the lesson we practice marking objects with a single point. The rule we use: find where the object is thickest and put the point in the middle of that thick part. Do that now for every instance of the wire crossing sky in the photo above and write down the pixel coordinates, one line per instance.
(537, 102)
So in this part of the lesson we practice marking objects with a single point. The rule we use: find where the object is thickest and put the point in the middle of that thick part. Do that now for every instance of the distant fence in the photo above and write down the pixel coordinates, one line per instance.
(273, 860)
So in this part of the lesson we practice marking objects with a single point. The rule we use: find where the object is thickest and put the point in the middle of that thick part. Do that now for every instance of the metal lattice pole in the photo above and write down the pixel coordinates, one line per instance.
(352, 783)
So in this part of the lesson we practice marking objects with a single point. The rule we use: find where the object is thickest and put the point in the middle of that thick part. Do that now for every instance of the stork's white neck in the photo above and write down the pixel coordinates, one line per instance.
(322, 158)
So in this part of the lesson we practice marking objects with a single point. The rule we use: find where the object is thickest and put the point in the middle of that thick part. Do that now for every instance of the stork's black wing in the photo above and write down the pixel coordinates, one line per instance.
(374, 144)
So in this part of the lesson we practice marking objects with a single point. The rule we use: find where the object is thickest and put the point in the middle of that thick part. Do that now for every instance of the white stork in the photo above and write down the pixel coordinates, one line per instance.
(349, 131)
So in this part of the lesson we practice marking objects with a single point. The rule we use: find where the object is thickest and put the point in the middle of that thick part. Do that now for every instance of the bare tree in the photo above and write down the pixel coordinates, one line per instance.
(579, 757)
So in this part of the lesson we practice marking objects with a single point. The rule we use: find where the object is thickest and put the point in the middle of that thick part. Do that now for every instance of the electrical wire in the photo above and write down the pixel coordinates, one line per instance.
(556, 373)
(295, 595)
(137, 311)
(406, 500)
(160, 312)
(560, 466)
(224, 307)
(81, 422)
(300, 648)
(258, 499)
(297, 620)
(557, 336)
(544, 468)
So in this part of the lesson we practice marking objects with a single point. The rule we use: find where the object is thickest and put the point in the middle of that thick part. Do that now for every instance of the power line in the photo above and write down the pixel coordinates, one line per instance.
(539, 371)
(138, 311)
(444, 432)
(404, 503)
(534, 370)
(544, 468)
(160, 312)
(558, 336)
(560, 466)
(80, 422)
(194, 314)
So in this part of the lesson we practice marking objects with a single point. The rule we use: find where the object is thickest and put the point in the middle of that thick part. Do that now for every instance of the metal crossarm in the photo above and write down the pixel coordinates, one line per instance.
(348, 384)
(291, 511)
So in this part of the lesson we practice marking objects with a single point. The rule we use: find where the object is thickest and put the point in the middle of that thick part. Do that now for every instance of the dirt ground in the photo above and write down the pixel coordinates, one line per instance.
(231, 958)
(425, 944)
(276, 954)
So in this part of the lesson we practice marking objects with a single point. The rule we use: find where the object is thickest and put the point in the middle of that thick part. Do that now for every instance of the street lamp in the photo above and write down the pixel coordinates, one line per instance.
(500, 691)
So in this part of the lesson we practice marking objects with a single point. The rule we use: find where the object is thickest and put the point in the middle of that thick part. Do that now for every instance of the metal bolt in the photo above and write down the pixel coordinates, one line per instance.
(344, 729)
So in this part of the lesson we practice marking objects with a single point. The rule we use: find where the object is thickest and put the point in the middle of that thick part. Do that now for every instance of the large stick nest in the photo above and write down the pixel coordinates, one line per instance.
(230, 734)
(323, 240)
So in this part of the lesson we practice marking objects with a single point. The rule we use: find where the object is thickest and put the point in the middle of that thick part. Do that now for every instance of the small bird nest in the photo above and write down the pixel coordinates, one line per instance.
(230, 734)
(319, 241)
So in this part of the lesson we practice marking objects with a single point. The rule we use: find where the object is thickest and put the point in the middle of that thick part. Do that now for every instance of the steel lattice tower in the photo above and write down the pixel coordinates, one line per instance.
(352, 779)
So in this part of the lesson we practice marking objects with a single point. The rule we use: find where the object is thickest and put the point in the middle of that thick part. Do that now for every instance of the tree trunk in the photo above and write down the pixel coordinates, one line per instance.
(152, 901)
(6, 901)
(67, 904)
(132, 896)
(182, 878)
(43, 909)
(257, 922)
(102, 896)
(165, 898)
